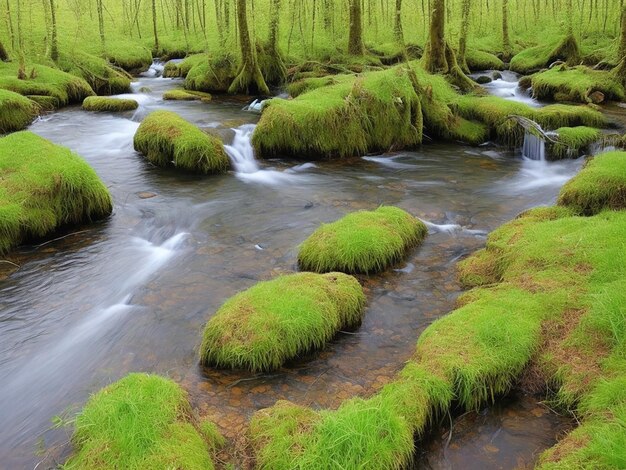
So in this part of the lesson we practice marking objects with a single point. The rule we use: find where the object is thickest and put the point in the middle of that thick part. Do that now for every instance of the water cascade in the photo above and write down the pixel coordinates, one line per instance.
(534, 146)
(241, 152)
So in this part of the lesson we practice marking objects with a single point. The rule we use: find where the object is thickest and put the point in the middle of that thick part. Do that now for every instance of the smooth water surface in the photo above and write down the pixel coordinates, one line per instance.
(133, 293)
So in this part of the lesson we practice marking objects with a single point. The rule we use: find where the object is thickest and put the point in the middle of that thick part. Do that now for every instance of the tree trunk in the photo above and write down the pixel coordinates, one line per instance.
(622, 44)
(506, 41)
(4, 55)
(465, 12)
(355, 41)
(435, 55)
(397, 27)
(10, 25)
(154, 26)
(54, 44)
(274, 69)
(249, 78)
(100, 8)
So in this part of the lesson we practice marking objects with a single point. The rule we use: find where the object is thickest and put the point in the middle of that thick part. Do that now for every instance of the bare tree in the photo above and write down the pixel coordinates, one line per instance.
(355, 40)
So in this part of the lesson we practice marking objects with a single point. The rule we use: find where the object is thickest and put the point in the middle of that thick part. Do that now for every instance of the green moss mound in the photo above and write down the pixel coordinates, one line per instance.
(103, 78)
(102, 103)
(45, 81)
(578, 84)
(16, 111)
(600, 185)
(184, 95)
(43, 187)
(275, 321)
(570, 142)
(212, 74)
(128, 55)
(142, 421)
(362, 242)
(479, 60)
(166, 139)
(535, 58)
(375, 111)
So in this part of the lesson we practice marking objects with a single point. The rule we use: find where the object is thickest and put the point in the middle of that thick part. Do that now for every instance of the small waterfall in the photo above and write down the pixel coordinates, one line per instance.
(534, 146)
(241, 152)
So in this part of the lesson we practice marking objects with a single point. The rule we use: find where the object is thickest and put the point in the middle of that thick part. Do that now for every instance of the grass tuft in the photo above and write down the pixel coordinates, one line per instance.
(43, 187)
(362, 242)
(275, 321)
(141, 421)
(165, 139)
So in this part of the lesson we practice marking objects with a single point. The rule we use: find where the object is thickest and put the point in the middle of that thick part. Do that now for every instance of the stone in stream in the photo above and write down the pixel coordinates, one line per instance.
(483, 79)
(108, 104)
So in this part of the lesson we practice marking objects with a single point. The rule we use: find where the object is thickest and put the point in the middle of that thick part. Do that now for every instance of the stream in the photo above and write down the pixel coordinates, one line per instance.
(133, 293)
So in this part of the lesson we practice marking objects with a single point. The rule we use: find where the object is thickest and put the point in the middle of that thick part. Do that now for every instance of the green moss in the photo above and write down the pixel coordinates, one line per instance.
(39, 195)
(102, 103)
(362, 242)
(128, 55)
(538, 57)
(183, 95)
(47, 103)
(600, 185)
(165, 138)
(141, 421)
(575, 84)
(376, 111)
(16, 111)
(572, 141)
(480, 60)
(213, 73)
(45, 81)
(103, 78)
(275, 321)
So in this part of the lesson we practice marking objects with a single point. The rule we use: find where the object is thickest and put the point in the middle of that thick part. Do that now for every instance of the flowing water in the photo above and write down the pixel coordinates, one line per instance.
(132, 293)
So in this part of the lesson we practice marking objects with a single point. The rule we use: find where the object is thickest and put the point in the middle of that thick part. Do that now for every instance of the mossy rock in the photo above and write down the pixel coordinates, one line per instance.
(128, 55)
(362, 242)
(576, 84)
(480, 60)
(570, 142)
(375, 111)
(43, 187)
(184, 95)
(16, 111)
(538, 57)
(274, 321)
(141, 421)
(103, 103)
(166, 139)
(210, 73)
(600, 185)
(45, 81)
(103, 78)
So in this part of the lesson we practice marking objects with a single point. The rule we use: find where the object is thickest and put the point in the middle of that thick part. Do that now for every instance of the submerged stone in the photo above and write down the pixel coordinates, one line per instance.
(275, 321)
(362, 242)
(166, 139)
(43, 187)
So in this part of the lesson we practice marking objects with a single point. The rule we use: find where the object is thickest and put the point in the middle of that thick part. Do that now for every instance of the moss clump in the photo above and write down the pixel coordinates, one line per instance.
(103, 78)
(165, 139)
(570, 142)
(183, 95)
(538, 57)
(43, 187)
(102, 103)
(362, 242)
(275, 321)
(563, 83)
(45, 81)
(213, 73)
(375, 111)
(480, 60)
(600, 185)
(141, 421)
(16, 111)
(128, 55)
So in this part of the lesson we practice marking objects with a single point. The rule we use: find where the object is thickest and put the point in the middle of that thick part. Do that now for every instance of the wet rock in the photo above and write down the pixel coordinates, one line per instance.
(483, 79)
(496, 75)
(596, 97)
(146, 195)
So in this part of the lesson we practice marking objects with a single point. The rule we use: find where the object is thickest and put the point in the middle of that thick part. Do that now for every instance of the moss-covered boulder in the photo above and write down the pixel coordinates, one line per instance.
(142, 421)
(41, 80)
(104, 78)
(16, 111)
(275, 321)
(166, 139)
(185, 95)
(535, 58)
(571, 142)
(600, 185)
(375, 111)
(480, 60)
(362, 242)
(43, 187)
(103, 103)
(578, 84)
(209, 73)
(128, 55)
